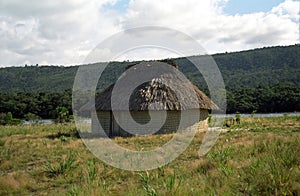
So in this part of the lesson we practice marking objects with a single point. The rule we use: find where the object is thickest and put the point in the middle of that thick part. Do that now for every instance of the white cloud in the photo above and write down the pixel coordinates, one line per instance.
(288, 9)
(64, 32)
(215, 30)
(148, 53)
(52, 32)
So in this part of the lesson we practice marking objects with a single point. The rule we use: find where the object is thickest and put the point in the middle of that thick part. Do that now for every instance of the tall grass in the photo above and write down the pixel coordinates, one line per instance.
(92, 171)
(62, 167)
(274, 169)
(145, 182)
(258, 157)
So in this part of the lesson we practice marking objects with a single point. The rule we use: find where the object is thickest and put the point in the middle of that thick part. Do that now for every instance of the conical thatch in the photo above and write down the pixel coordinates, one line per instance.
(156, 93)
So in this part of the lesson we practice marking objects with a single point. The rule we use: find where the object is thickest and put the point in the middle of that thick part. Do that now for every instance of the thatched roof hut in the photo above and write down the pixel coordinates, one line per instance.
(157, 91)
(165, 90)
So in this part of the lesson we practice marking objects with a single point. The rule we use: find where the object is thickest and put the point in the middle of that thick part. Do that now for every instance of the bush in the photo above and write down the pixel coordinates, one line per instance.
(7, 119)
(32, 118)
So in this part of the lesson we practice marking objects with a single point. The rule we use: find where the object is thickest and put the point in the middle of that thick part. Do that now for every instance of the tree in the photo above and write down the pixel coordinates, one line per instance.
(7, 119)
(32, 118)
(62, 114)
(238, 118)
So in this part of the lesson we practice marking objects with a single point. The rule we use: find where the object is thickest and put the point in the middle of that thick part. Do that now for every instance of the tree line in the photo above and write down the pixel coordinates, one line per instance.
(262, 80)
(277, 98)
(246, 69)
(274, 99)
(44, 105)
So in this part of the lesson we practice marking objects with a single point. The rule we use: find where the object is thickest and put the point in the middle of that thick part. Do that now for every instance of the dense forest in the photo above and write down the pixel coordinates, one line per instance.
(261, 80)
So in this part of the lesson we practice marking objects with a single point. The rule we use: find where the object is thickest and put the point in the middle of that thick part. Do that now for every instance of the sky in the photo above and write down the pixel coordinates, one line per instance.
(64, 32)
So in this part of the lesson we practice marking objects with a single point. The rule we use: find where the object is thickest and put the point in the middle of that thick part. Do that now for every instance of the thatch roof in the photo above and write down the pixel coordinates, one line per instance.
(155, 94)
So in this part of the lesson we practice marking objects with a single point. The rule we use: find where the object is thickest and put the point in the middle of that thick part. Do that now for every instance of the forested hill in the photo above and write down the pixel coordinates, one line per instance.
(262, 80)
(246, 69)
(261, 67)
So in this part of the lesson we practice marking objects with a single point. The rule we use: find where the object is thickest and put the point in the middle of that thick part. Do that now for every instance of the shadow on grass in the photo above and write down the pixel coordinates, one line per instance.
(72, 133)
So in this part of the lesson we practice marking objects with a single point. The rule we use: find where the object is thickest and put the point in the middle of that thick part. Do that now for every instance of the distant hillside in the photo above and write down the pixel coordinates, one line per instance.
(246, 69)
(253, 68)
(261, 80)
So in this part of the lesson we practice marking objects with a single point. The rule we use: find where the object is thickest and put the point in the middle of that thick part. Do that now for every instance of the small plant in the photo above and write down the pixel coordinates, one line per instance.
(61, 168)
(73, 191)
(221, 155)
(92, 171)
(161, 171)
(170, 183)
(63, 138)
(104, 184)
(253, 113)
(238, 118)
(226, 169)
(2, 142)
(5, 154)
(209, 118)
(44, 142)
(145, 180)
(205, 167)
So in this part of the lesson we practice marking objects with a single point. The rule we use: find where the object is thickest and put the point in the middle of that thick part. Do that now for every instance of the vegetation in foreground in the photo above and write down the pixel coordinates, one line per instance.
(259, 156)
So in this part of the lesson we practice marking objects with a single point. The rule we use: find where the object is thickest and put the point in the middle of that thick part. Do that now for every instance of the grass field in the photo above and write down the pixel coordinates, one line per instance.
(258, 157)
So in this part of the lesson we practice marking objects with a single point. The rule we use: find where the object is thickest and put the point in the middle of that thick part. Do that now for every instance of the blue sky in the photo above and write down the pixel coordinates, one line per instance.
(232, 6)
(250, 6)
(120, 6)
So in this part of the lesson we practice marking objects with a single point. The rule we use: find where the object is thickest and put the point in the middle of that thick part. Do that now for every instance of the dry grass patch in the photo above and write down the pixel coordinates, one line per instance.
(256, 160)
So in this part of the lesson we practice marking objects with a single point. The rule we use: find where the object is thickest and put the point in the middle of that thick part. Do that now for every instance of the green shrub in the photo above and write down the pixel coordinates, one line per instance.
(7, 119)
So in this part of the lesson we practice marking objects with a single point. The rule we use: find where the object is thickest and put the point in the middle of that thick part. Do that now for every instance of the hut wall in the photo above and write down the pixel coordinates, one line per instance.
(104, 120)
(112, 129)
(171, 124)
(190, 119)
